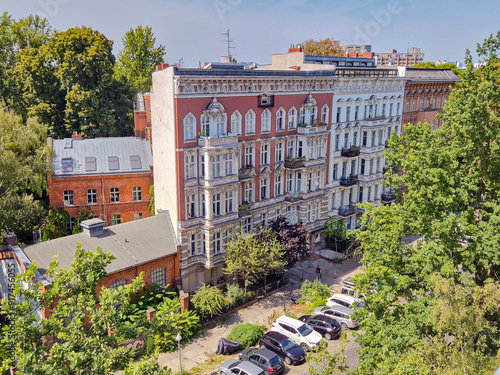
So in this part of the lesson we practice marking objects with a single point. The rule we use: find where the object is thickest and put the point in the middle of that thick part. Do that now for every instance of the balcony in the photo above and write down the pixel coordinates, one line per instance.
(388, 197)
(312, 129)
(265, 101)
(246, 173)
(245, 209)
(293, 163)
(218, 141)
(349, 181)
(293, 197)
(347, 210)
(350, 152)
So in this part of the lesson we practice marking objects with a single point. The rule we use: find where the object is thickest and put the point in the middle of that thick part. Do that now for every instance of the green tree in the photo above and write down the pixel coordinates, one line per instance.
(79, 318)
(138, 58)
(68, 83)
(56, 224)
(322, 47)
(23, 168)
(437, 306)
(343, 239)
(77, 228)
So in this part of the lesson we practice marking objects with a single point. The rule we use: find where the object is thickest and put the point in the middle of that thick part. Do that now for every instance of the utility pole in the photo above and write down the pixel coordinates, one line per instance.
(229, 41)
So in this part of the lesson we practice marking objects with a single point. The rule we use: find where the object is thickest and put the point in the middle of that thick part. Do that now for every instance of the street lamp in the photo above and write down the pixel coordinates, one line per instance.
(178, 338)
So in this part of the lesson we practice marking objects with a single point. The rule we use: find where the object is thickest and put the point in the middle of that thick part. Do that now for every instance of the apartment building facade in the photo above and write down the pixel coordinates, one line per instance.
(234, 148)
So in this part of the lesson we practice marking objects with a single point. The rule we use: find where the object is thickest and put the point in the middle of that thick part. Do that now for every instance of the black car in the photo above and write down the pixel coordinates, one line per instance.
(269, 361)
(327, 326)
(283, 346)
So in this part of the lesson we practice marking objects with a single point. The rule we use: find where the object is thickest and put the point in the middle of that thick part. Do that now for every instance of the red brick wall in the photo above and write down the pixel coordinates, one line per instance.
(125, 182)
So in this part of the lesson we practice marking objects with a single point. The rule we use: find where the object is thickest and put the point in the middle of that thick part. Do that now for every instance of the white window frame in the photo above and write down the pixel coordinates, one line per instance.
(189, 127)
(277, 185)
(236, 123)
(250, 122)
(68, 197)
(264, 154)
(137, 194)
(279, 152)
(280, 120)
(292, 118)
(265, 121)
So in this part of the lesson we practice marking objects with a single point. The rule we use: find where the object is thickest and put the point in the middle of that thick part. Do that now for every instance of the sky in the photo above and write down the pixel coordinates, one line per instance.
(192, 30)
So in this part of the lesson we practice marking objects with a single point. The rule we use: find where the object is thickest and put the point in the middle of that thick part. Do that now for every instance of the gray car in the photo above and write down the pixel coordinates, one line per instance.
(267, 360)
(340, 313)
(235, 367)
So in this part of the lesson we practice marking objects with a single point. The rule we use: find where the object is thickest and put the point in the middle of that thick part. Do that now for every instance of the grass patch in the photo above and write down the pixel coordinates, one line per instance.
(210, 365)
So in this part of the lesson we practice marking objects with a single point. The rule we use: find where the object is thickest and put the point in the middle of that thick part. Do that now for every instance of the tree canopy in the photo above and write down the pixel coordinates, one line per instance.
(68, 82)
(322, 47)
(79, 319)
(293, 239)
(138, 58)
(23, 167)
(438, 301)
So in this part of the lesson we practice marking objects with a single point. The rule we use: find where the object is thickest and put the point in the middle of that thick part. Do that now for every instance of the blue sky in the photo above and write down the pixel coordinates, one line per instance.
(191, 29)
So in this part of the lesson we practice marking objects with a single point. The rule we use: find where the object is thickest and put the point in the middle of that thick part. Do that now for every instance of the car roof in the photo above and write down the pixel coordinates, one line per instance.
(276, 335)
(249, 367)
(264, 352)
(293, 322)
(345, 298)
(337, 307)
(324, 318)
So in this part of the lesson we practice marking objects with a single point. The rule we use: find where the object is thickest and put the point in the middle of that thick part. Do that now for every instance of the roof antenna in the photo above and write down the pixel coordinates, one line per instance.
(229, 41)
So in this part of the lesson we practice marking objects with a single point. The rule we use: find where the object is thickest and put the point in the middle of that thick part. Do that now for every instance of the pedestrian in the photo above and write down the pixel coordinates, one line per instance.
(318, 273)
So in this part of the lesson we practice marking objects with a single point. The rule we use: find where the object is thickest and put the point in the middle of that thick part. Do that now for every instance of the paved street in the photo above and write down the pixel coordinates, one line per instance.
(199, 354)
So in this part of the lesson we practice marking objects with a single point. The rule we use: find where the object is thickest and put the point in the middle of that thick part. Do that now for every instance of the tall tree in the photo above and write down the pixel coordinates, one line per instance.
(322, 47)
(23, 167)
(79, 319)
(438, 301)
(138, 58)
(293, 239)
(68, 83)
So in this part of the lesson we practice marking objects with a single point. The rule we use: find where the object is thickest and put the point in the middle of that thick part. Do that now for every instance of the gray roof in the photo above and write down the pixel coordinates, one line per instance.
(134, 156)
(431, 75)
(132, 243)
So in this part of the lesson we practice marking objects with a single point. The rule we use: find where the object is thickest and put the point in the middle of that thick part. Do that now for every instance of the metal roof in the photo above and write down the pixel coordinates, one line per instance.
(101, 155)
(132, 243)
(415, 74)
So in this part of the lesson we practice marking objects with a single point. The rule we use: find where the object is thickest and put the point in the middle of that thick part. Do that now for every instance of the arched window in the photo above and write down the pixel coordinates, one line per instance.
(292, 118)
(158, 277)
(205, 126)
(221, 125)
(236, 123)
(280, 119)
(266, 121)
(250, 122)
(117, 285)
(302, 120)
(189, 127)
(324, 114)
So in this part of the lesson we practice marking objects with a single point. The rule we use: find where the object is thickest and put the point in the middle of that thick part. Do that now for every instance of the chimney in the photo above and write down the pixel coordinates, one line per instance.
(161, 67)
(292, 48)
(76, 136)
(150, 314)
(93, 227)
(297, 68)
(10, 239)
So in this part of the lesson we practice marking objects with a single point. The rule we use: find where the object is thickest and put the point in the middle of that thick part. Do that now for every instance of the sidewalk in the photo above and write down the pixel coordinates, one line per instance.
(203, 349)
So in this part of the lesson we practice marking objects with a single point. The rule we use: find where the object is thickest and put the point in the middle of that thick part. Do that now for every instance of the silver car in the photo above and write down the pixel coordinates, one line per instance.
(235, 367)
(340, 313)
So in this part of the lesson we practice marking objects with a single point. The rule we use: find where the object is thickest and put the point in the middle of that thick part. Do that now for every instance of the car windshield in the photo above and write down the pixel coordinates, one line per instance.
(304, 330)
(275, 361)
(287, 344)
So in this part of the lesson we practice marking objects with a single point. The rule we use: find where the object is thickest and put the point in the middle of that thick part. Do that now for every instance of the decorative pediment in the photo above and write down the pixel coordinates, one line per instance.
(266, 171)
(214, 109)
(280, 168)
(310, 103)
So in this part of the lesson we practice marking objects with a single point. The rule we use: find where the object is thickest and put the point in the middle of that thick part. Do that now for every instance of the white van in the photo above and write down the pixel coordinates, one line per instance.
(344, 300)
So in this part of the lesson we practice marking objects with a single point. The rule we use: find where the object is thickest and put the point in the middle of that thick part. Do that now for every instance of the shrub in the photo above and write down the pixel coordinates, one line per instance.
(209, 301)
(237, 295)
(314, 291)
(147, 366)
(168, 322)
(247, 334)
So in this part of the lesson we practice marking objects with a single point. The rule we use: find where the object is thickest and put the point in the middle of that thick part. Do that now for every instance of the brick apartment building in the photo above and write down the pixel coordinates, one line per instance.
(147, 245)
(426, 93)
(235, 148)
(110, 175)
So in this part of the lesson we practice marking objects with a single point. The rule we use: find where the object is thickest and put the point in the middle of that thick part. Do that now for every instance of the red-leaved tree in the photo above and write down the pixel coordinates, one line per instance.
(293, 239)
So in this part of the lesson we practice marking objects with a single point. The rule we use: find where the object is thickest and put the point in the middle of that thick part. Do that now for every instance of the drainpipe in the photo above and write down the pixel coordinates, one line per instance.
(103, 199)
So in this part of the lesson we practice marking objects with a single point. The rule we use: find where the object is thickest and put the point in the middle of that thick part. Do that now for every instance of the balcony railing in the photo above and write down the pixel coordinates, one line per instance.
(246, 173)
(388, 197)
(245, 210)
(293, 163)
(347, 210)
(311, 129)
(293, 197)
(349, 181)
(350, 152)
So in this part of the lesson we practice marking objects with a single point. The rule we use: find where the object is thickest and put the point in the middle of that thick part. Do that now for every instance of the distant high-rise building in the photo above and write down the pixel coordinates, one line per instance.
(393, 57)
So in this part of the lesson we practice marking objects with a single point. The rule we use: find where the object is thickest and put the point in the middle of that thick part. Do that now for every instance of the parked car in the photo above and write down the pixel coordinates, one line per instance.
(348, 283)
(278, 343)
(297, 331)
(344, 300)
(340, 313)
(267, 360)
(235, 367)
(324, 325)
